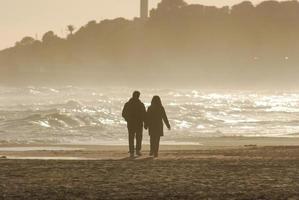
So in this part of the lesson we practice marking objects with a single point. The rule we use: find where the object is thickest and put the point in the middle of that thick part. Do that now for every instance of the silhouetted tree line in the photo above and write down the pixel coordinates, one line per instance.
(180, 41)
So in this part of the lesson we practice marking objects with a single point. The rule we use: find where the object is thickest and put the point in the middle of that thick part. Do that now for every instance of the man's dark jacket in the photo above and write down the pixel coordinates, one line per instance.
(134, 112)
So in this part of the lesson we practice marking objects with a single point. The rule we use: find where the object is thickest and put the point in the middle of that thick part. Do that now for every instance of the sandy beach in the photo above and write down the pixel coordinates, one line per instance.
(217, 168)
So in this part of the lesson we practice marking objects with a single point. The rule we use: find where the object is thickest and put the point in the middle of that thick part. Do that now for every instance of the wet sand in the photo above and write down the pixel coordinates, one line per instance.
(246, 169)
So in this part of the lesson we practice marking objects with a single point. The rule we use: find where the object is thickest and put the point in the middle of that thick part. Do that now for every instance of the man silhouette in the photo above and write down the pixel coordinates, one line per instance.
(134, 113)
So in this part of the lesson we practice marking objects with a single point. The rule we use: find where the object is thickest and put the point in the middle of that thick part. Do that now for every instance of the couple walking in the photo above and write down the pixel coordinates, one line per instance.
(137, 118)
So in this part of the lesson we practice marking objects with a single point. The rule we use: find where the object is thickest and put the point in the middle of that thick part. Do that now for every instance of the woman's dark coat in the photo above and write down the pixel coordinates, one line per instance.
(155, 116)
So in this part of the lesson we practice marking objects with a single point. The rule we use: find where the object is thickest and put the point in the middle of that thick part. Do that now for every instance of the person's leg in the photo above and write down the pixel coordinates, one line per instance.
(152, 145)
(139, 139)
(156, 145)
(131, 139)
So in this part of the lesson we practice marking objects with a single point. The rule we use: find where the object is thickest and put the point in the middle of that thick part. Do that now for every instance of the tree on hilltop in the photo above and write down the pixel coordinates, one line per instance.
(26, 41)
(71, 29)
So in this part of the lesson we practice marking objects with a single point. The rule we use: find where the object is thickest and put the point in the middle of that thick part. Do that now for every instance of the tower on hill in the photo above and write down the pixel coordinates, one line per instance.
(143, 9)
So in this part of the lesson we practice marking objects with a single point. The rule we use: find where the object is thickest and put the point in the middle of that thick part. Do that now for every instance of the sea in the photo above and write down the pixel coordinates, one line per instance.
(82, 115)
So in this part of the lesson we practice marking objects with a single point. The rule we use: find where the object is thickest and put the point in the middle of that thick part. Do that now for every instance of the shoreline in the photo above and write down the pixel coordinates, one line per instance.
(199, 141)
(116, 152)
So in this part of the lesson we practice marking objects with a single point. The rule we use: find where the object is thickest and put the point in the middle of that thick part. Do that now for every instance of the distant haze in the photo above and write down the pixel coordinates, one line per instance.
(35, 17)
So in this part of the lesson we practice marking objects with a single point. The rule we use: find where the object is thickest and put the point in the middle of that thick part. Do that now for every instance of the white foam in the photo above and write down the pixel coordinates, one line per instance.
(48, 158)
(21, 149)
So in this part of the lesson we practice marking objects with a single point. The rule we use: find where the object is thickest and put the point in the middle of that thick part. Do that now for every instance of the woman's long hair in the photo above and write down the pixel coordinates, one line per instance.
(156, 102)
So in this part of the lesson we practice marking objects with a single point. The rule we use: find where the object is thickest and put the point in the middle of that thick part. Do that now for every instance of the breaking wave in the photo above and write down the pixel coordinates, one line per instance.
(79, 115)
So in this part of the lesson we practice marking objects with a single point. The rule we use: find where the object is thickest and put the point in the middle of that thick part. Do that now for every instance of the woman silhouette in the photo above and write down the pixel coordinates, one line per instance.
(155, 116)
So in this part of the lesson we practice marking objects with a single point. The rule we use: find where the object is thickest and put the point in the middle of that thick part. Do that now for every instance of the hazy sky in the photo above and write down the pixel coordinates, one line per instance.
(19, 18)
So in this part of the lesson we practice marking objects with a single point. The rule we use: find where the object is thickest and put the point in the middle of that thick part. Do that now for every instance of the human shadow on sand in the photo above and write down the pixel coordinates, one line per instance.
(137, 158)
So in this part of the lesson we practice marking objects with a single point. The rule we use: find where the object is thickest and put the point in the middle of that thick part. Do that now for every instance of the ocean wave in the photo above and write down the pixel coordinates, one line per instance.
(296, 134)
(68, 114)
